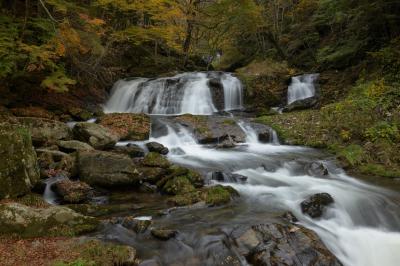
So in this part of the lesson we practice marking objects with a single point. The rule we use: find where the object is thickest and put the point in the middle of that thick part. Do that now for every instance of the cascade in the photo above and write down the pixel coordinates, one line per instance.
(301, 87)
(180, 94)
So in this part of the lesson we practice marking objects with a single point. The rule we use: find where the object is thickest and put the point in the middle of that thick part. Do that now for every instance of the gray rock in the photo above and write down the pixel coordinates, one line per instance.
(73, 191)
(45, 131)
(211, 129)
(107, 169)
(95, 135)
(26, 221)
(277, 244)
(157, 147)
(315, 205)
(317, 169)
(301, 104)
(52, 163)
(73, 145)
(133, 150)
(19, 171)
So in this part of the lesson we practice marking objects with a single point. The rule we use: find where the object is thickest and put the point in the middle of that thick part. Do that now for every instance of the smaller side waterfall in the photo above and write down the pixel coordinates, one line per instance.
(301, 87)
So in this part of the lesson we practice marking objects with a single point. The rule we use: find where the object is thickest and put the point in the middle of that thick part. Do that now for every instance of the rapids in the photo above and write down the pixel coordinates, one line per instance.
(362, 227)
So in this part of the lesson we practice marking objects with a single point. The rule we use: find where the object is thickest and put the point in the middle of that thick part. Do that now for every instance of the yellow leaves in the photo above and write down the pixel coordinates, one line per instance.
(377, 88)
(57, 81)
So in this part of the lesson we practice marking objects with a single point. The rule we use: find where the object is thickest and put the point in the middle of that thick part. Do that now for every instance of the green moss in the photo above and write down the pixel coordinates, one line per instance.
(218, 195)
(154, 159)
(96, 253)
(186, 199)
(178, 185)
(380, 170)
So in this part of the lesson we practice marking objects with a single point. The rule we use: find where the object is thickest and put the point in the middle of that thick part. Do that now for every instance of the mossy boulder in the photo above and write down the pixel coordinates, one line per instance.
(213, 196)
(80, 114)
(107, 169)
(54, 163)
(211, 129)
(45, 131)
(19, 171)
(127, 126)
(178, 185)
(18, 219)
(152, 174)
(219, 195)
(154, 159)
(73, 145)
(180, 180)
(95, 135)
(73, 191)
(133, 150)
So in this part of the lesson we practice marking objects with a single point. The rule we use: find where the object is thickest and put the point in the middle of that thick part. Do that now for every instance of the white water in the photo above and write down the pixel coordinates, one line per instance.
(49, 195)
(183, 93)
(301, 87)
(361, 228)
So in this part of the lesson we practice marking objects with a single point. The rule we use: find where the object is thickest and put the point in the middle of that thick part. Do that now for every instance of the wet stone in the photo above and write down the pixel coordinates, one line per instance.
(315, 205)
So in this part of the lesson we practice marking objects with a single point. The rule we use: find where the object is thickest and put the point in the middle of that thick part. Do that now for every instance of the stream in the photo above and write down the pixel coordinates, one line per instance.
(361, 228)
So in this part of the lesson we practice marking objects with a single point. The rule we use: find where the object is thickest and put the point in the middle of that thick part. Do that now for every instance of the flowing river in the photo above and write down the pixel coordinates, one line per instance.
(361, 228)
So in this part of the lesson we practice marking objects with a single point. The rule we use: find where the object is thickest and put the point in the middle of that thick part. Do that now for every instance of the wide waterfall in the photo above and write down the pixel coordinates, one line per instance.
(183, 93)
(301, 87)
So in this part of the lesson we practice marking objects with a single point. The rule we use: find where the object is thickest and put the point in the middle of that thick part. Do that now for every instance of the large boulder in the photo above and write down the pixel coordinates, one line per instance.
(95, 135)
(277, 244)
(53, 163)
(212, 129)
(132, 150)
(45, 131)
(70, 146)
(301, 104)
(127, 126)
(154, 159)
(26, 221)
(73, 191)
(315, 205)
(19, 171)
(107, 169)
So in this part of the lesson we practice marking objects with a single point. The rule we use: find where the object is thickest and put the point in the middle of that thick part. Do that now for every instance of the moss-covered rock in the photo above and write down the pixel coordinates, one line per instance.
(154, 159)
(95, 252)
(73, 191)
(95, 135)
(178, 185)
(73, 145)
(107, 169)
(152, 174)
(80, 114)
(26, 221)
(53, 163)
(19, 171)
(45, 131)
(127, 126)
(211, 129)
(213, 196)
(266, 82)
(219, 195)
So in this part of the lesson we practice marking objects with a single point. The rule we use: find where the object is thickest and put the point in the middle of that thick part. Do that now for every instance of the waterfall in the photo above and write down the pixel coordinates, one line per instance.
(232, 92)
(301, 87)
(180, 94)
